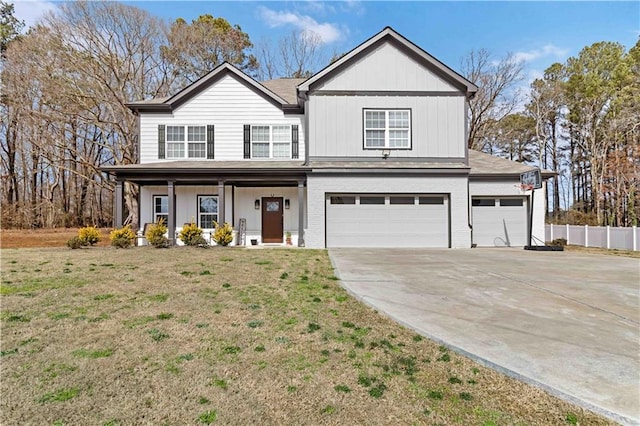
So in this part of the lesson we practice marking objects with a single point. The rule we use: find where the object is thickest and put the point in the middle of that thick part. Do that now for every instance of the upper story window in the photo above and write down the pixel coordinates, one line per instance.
(271, 141)
(189, 140)
(387, 129)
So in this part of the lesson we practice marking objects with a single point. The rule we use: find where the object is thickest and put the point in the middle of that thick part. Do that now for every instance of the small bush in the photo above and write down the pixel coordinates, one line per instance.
(223, 234)
(89, 235)
(561, 242)
(122, 238)
(74, 243)
(155, 234)
(191, 235)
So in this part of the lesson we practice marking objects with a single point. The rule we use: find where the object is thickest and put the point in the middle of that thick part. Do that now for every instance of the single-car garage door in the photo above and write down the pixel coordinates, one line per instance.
(499, 222)
(368, 220)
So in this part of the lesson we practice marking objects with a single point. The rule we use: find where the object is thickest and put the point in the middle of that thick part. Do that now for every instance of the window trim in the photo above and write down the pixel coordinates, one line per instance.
(185, 142)
(386, 139)
(153, 208)
(198, 213)
(271, 141)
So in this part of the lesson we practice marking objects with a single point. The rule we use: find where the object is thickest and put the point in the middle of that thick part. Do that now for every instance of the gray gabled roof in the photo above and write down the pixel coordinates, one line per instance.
(417, 52)
(168, 104)
(287, 88)
(488, 165)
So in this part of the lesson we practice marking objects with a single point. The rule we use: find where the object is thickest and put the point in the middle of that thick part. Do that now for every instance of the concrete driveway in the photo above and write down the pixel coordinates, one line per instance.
(565, 321)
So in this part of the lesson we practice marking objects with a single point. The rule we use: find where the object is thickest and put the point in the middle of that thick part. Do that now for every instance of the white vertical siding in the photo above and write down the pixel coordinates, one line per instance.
(387, 68)
(228, 104)
(456, 187)
(437, 125)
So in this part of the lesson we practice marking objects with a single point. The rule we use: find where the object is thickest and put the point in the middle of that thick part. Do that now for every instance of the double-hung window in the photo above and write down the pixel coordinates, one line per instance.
(207, 211)
(189, 140)
(387, 129)
(271, 141)
(161, 208)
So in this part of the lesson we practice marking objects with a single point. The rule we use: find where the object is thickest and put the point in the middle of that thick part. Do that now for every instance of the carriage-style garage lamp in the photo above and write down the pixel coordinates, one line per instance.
(287, 204)
(256, 204)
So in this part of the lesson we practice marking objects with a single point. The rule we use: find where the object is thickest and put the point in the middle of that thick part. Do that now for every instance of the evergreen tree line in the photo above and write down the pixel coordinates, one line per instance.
(65, 83)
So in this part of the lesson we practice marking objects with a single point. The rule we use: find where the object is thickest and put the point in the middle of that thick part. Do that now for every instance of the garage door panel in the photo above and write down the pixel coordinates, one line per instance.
(388, 225)
(496, 223)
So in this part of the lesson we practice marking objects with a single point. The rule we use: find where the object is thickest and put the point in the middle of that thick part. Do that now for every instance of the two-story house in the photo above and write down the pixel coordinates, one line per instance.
(369, 152)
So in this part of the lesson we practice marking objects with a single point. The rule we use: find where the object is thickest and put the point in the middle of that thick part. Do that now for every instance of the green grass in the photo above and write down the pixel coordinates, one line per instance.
(244, 337)
(59, 395)
(84, 353)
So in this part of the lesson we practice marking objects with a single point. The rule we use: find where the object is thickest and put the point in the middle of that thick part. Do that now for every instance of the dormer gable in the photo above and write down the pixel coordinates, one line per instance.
(388, 52)
(169, 104)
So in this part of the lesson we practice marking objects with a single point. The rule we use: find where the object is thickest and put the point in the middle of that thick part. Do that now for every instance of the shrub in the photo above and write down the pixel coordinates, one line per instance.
(559, 242)
(223, 234)
(74, 243)
(155, 234)
(191, 235)
(88, 235)
(122, 238)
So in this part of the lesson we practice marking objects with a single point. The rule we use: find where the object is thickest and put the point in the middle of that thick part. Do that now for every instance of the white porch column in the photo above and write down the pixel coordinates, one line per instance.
(117, 217)
(221, 206)
(301, 204)
(171, 225)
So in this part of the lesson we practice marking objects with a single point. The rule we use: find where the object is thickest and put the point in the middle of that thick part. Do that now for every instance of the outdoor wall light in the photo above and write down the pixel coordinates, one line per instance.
(256, 205)
(287, 204)
(386, 153)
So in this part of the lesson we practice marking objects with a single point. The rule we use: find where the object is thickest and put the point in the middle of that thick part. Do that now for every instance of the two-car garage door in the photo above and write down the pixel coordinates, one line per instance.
(387, 220)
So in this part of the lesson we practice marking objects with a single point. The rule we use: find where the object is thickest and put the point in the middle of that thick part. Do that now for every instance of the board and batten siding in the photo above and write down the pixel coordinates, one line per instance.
(227, 104)
(478, 188)
(336, 127)
(386, 68)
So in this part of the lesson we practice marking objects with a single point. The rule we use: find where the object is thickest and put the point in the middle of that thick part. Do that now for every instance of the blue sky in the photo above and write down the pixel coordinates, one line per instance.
(539, 33)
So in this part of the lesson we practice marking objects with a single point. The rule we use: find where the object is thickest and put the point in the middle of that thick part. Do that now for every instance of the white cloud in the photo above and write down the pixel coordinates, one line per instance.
(32, 11)
(547, 50)
(327, 32)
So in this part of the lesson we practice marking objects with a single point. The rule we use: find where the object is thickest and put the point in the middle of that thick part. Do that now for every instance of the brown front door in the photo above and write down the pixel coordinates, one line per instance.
(272, 220)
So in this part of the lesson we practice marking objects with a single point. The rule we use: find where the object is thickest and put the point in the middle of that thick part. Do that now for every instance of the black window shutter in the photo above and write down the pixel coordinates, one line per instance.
(210, 145)
(160, 141)
(294, 141)
(247, 141)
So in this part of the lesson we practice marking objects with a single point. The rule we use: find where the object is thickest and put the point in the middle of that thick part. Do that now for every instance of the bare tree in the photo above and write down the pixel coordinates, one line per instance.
(296, 55)
(497, 95)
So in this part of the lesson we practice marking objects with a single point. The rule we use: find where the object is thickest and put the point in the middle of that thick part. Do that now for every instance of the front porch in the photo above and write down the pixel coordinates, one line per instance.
(264, 204)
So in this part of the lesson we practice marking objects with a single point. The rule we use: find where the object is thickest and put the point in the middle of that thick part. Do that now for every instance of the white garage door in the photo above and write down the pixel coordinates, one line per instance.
(364, 220)
(499, 222)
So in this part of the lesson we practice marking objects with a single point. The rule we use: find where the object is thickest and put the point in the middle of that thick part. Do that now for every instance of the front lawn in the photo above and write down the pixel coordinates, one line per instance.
(228, 336)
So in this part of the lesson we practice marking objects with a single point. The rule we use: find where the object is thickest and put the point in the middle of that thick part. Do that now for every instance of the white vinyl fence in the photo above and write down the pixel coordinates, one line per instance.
(596, 236)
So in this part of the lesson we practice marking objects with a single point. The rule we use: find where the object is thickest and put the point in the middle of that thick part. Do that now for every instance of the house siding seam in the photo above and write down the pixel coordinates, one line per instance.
(227, 104)
(318, 187)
